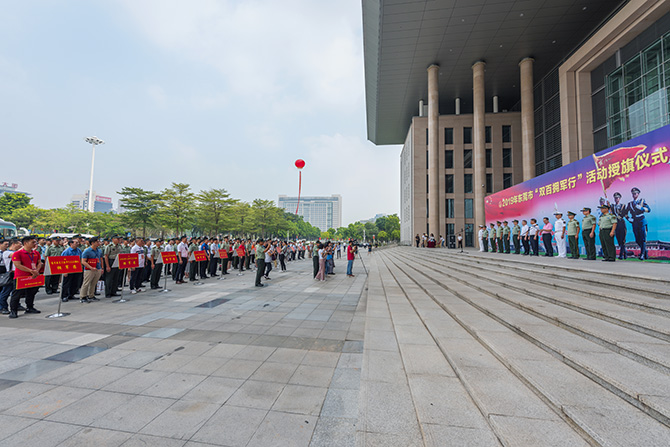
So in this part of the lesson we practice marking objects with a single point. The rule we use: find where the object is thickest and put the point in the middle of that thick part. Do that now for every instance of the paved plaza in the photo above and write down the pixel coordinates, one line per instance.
(223, 363)
(432, 348)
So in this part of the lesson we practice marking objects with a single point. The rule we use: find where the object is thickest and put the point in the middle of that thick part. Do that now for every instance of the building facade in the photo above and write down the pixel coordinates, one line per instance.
(101, 204)
(321, 212)
(519, 88)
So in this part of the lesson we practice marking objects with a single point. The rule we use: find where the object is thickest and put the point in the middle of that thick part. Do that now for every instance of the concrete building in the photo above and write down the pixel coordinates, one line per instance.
(322, 212)
(101, 204)
(11, 188)
(484, 95)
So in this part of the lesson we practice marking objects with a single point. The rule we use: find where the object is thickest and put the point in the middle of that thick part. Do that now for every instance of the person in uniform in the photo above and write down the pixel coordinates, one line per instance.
(492, 237)
(559, 234)
(485, 238)
(636, 208)
(215, 257)
(499, 237)
(480, 237)
(51, 283)
(607, 224)
(516, 231)
(573, 235)
(193, 264)
(260, 262)
(156, 263)
(506, 235)
(589, 234)
(112, 273)
(620, 211)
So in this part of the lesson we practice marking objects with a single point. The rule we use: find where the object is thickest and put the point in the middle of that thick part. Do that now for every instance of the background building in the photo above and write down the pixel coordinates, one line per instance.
(486, 95)
(101, 204)
(322, 212)
(11, 188)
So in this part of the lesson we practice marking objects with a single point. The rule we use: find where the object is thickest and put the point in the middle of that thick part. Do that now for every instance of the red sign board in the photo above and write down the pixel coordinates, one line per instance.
(128, 260)
(240, 251)
(169, 257)
(103, 199)
(26, 282)
(223, 253)
(200, 255)
(93, 262)
(59, 265)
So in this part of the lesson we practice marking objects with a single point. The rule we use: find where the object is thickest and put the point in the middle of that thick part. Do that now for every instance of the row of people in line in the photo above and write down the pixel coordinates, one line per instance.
(500, 237)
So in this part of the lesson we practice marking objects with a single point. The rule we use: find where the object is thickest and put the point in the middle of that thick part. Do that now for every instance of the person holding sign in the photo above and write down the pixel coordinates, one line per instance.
(157, 263)
(27, 263)
(70, 280)
(136, 275)
(91, 261)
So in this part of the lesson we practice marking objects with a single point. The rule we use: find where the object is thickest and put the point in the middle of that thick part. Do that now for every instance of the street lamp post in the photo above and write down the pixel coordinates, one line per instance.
(94, 141)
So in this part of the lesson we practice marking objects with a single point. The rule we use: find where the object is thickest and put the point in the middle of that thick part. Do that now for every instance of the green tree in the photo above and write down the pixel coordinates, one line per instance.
(11, 201)
(382, 236)
(395, 235)
(141, 207)
(177, 207)
(26, 216)
(330, 233)
(240, 216)
(263, 215)
(214, 208)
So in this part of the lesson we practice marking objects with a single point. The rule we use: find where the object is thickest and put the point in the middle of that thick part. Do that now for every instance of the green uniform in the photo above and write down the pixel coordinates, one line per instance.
(516, 231)
(112, 277)
(606, 222)
(260, 263)
(573, 238)
(157, 267)
(589, 242)
(506, 233)
(485, 237)
(492, 237)
(51, 282)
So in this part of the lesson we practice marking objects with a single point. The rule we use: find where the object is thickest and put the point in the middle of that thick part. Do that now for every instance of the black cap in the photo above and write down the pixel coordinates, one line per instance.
(617, 194)
(635, 190)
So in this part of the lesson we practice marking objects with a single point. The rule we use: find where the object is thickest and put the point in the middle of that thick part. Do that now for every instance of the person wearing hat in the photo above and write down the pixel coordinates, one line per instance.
(499, 237)
(155, 255)
(51, 282)
(492, 237)
(573, 235)
(559, 234)
(112, 273)
(524, 234)
(589, 234)
(533, 237)
(506, 234)
(485, 239)
(480, 237)
(636, 208)
(607, 224)
(516, 231)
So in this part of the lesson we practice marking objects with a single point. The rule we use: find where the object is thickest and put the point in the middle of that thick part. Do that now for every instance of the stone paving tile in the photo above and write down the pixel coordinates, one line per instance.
(301, 399)
(42, 434)
(47, 403)
(275, 372)
(334, 432)
(87, 409)
(174, 386)
(256, 394)
(214, 389)
(139, 440)
(181, 420)
(231, 426)
(12, 424)
(134, 414)
(312, 375)
(283, 429)
(96, 437)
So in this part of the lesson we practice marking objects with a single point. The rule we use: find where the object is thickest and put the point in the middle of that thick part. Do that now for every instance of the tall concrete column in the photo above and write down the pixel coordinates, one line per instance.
(527, 118)
(479, 131)
(433, 154)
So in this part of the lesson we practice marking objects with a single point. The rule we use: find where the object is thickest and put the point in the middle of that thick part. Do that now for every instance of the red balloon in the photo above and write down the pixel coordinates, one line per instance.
(299, 163)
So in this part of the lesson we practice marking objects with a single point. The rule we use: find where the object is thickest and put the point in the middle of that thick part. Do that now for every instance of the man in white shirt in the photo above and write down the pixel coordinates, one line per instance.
(182, 252)
(480, 237)
(525, 237)
(559, 234)
(136, 275)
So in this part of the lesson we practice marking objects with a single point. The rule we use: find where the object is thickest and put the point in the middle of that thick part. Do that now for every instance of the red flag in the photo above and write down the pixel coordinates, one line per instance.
(616, 156)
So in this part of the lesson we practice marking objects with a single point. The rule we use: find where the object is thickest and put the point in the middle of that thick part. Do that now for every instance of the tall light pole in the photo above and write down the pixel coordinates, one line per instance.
(93, 141)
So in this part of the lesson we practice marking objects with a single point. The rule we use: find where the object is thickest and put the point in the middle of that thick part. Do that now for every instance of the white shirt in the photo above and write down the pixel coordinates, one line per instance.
(559, 226)
(534, 228)
(524, 230)
(321, 254)
(182, 248)
(140, 251)
(481, 233)
(7, 259)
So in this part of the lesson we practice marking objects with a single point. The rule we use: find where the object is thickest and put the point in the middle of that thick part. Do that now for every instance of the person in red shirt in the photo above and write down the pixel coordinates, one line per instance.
(351, 255)
(27, 262)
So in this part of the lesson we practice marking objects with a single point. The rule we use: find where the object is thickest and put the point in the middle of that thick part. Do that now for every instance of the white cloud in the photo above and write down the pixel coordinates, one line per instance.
(157, 95)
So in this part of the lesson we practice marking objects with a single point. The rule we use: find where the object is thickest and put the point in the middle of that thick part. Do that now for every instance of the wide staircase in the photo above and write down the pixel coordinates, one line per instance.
(489, 350)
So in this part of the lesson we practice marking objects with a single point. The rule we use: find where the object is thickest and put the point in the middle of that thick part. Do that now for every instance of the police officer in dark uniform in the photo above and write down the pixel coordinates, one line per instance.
(636, 208)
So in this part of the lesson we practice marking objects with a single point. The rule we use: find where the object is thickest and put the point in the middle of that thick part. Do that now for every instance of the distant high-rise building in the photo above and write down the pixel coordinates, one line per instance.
(11, 188)
(101, 205)
(322, 212)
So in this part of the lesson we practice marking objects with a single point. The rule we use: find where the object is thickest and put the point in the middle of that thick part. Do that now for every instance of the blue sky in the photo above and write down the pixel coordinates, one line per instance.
(215, 93)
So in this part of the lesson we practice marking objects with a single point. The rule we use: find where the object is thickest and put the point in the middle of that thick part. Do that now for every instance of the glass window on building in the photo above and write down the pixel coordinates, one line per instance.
(427, 158)
(449, 183)
(467, 135)
(469, 214)
(450, 228)
(489, 164)
(469, 235)
(449, 207)
(467, 183)
(507, 180)
(507, 134)
(448, 135)
(489, 183)
(449, 159)
(426, 137)
(487, 132)
(507, 158)
(467, 158)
